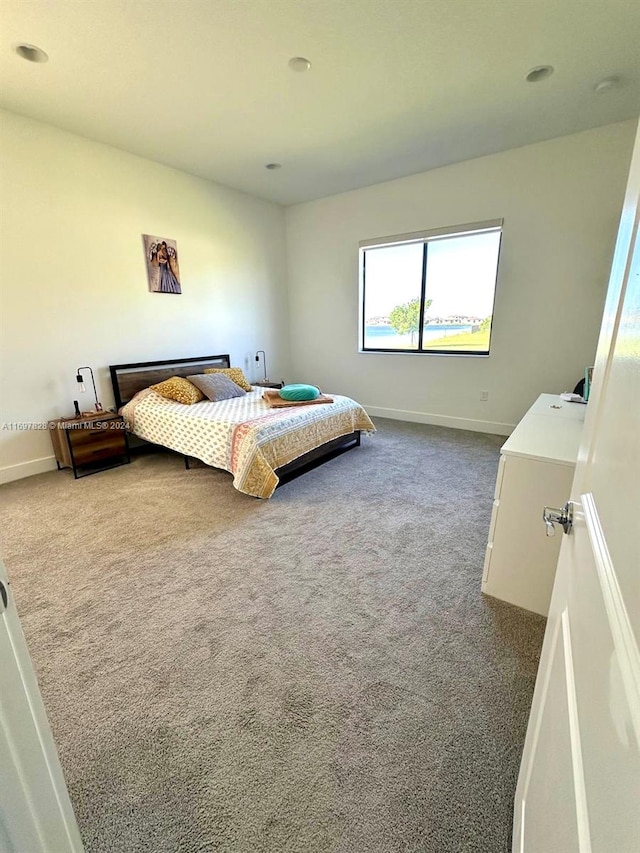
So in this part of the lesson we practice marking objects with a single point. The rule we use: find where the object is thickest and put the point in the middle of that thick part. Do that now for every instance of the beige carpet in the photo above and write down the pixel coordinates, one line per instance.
(317, 672)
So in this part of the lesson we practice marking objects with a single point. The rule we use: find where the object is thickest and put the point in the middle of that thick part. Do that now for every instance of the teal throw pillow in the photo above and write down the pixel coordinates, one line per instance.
(299, 393)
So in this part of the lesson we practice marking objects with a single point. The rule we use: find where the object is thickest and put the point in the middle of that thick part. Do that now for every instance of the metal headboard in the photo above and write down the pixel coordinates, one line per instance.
(128, 379)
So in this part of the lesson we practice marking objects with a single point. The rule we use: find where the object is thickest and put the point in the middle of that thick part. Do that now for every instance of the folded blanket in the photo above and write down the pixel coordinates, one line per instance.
(275, 401)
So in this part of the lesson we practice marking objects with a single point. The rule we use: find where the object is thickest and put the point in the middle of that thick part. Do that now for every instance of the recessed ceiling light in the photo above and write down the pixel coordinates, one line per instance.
(299, 63)
(606, 85)
(272, 166)
(31, 53)
(540, 72)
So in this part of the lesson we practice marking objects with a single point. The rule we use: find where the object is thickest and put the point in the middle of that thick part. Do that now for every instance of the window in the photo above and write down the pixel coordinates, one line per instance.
(430, 292)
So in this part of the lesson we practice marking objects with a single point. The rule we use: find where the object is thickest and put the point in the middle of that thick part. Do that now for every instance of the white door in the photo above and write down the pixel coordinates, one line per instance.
(579, 783)
(35, 810)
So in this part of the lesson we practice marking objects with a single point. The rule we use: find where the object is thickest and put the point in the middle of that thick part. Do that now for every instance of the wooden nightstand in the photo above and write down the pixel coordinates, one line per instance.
(268, 384)
(90, 443)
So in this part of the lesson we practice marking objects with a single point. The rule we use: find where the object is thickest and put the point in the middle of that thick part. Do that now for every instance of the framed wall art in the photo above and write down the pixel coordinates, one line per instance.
(162, 264)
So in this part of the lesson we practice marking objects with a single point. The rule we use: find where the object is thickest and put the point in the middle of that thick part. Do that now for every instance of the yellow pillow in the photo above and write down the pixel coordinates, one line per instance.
(235, 374)
(179, 389)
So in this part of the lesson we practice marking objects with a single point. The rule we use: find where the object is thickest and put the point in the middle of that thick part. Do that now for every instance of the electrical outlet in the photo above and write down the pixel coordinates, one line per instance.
(484, 396)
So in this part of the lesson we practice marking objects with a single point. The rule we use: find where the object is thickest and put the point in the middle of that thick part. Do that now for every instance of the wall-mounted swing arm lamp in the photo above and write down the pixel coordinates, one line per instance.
(264, 362)
(80, 382)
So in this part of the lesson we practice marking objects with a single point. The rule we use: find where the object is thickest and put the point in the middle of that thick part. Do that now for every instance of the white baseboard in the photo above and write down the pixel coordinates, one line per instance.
(27, 469)
(493, 427)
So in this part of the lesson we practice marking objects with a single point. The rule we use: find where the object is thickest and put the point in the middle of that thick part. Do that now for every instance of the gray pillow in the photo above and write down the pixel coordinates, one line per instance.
(216, 386)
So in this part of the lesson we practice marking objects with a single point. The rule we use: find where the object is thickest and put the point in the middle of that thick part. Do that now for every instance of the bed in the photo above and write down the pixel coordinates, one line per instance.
(261, 447)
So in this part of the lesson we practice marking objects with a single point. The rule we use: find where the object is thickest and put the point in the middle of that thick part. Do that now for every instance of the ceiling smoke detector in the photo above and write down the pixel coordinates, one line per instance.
(299, 63)
(540, 72)
(31, 53)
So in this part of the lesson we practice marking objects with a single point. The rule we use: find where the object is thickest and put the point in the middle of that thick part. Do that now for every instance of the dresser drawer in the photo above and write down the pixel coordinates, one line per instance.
(94, 432)
(102, 446)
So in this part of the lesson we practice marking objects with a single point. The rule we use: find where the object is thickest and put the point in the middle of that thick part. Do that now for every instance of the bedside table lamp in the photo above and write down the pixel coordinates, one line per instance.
(80, 382)
(264, 362)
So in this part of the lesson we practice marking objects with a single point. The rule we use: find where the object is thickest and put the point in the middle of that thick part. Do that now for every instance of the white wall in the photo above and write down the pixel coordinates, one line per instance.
(560, 200)
(73, 277)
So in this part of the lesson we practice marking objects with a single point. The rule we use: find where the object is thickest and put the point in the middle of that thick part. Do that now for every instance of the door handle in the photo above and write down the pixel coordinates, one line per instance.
(4, 598)
(551, 516)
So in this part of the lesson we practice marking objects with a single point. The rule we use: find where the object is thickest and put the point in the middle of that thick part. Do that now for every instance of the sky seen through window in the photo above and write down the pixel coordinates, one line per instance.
(461, 273)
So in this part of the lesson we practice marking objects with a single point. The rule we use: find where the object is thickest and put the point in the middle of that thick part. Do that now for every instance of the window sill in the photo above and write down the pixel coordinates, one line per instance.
(427, 352)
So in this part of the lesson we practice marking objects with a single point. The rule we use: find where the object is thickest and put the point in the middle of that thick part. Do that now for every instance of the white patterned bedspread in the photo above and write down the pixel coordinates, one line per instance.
(243, 435)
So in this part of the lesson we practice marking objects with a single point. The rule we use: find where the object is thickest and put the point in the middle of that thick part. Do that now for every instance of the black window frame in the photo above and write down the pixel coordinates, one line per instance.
(426, 237)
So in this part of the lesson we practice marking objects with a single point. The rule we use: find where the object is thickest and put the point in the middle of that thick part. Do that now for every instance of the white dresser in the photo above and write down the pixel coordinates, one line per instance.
(537, 464)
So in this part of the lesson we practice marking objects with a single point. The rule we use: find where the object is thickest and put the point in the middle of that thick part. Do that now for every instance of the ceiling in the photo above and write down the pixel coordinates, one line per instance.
(396, 86)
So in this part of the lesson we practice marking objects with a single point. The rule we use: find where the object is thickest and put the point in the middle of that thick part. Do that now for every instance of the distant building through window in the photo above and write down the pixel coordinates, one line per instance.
(430, 291)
